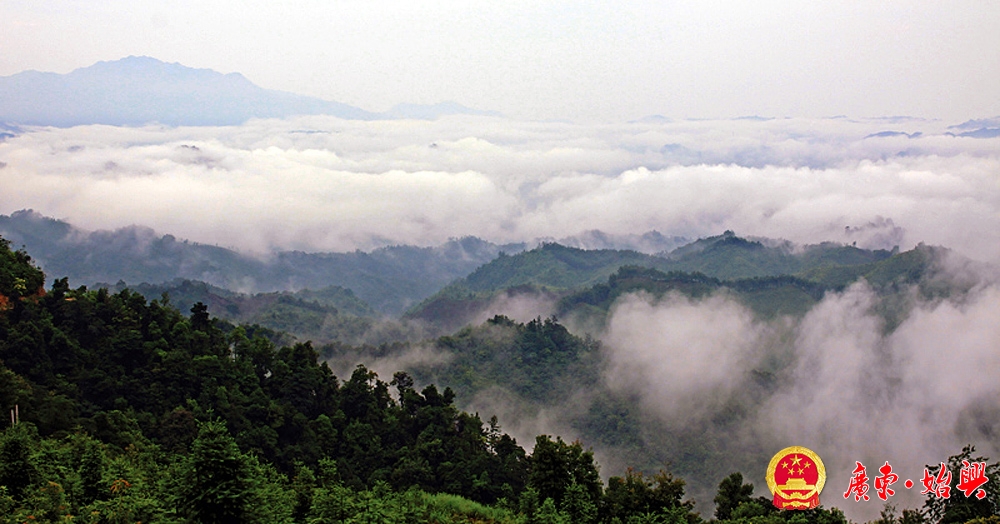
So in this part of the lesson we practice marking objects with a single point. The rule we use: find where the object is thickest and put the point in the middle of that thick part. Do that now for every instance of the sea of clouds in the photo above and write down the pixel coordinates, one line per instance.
(325, 184)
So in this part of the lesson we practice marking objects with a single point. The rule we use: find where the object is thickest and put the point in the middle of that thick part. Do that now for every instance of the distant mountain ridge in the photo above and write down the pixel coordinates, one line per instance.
(556, 271)
(8, 131)
(390, 279)
(972, 125)
(139, 90)
(440, 289)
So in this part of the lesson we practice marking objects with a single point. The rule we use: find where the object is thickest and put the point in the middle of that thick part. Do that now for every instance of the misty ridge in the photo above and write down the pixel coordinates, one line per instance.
(683, 294)
(390, 279)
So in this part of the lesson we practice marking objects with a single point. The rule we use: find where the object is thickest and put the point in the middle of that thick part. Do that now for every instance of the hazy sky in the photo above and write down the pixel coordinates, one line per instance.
(543, 59)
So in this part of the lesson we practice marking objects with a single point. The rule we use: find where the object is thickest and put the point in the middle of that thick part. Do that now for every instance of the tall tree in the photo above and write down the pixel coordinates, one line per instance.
(732, 492)
(958, 507)
(17, 469)
(555, 465)
(217, 484)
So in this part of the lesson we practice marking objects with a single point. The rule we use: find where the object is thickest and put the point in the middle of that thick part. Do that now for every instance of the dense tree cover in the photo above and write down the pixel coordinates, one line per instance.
(325, 315)
(546, 269)
(491, 357)
(133, 412)
(959, 507)
(538, 359)
(552, 265)
(124, 370)
(108, 363)
(770, 279)
(732, 493)
(726, 257)
(18, 276)
(765, 296)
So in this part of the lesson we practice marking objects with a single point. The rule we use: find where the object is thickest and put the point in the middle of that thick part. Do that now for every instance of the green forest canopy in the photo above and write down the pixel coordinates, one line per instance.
(131, 411)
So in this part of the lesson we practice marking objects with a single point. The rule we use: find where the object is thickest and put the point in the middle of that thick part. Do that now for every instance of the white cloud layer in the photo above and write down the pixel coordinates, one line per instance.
(845, 388)
(681, 354)
(320, 183)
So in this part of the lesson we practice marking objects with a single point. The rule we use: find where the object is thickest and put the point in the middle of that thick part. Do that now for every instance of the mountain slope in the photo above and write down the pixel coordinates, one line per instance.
(892, 278)
(647, 418)
(551, 265)
(321, 316)
(140, 90)
(730, 257)
(552, 271)
(390, 279)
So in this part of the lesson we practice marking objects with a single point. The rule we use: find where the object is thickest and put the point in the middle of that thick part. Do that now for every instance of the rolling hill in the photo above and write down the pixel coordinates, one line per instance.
(560, 271)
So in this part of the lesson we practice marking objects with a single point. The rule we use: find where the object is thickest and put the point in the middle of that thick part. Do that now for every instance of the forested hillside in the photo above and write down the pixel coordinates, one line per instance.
(124, 409)
(323, 315)
(147, 389)
(607, 372)
(127, 410)
(560, 272)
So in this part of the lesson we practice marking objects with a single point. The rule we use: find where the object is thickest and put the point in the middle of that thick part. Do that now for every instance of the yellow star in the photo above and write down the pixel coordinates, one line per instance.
(807, 465)
(800, 471)
(784, 464)
(796, 459)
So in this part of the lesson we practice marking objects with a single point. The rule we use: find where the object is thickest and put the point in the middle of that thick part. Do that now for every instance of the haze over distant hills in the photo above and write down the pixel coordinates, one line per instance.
(393, 279)
(390, 279)
(456, 279)
(139, 90)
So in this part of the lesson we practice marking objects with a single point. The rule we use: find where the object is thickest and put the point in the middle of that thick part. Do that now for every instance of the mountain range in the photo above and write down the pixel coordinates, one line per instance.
(774, 277)
(140, 90)
(342, 296)
(453, 307)
(390, 279)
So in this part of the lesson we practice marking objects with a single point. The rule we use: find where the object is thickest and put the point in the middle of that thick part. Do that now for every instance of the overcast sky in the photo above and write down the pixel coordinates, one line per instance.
(582, 61)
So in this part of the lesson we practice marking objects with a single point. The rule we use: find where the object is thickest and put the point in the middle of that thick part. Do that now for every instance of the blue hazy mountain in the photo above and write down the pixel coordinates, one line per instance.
(892, 134)
(139, 90)
(984, 132)
(972, 125)
(8, 131)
